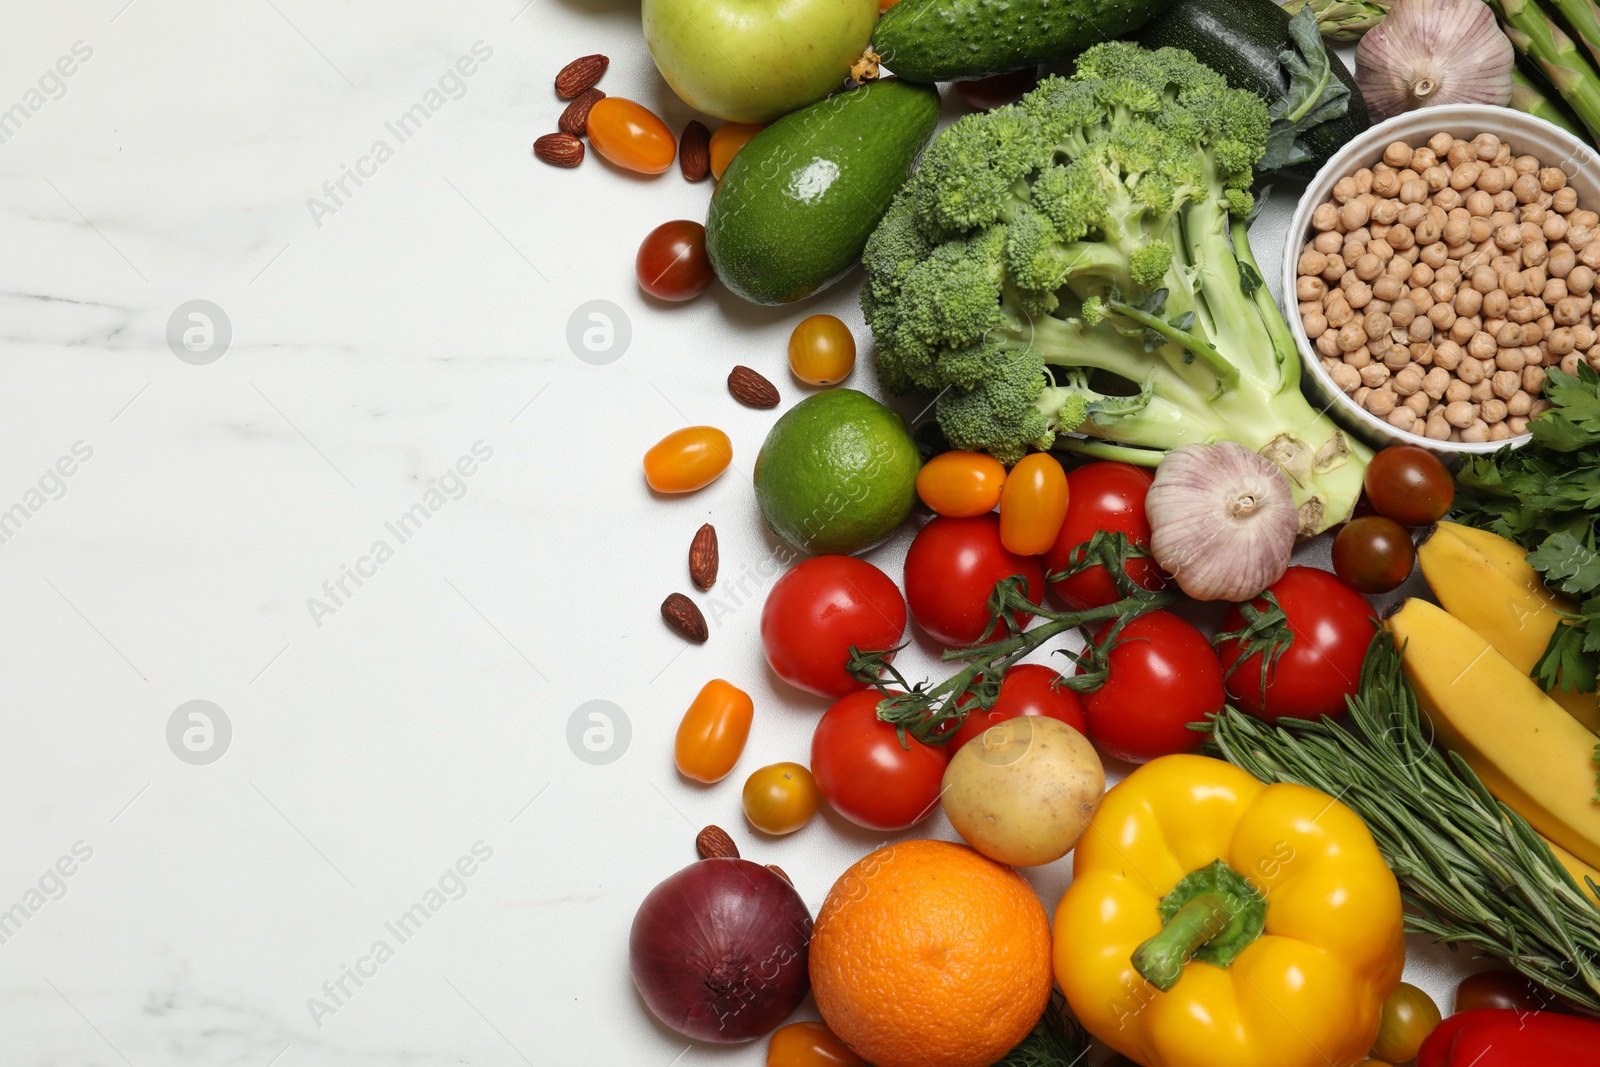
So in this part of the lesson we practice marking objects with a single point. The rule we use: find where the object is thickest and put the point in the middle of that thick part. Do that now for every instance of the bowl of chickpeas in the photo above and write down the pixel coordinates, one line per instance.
(1437, 268)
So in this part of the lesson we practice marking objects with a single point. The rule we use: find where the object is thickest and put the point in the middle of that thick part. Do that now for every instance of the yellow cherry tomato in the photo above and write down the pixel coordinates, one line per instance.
(961, 484)
(631, 136)
(726, 140)
(809, 1045)
(1409, 1016)
(780, 798)
(822, 350)
(712, 734)
(1033, 504)
(687, 459)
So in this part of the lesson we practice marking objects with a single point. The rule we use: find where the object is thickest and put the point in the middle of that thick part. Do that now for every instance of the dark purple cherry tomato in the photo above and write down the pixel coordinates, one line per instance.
(1373, 554)
(1410, 485)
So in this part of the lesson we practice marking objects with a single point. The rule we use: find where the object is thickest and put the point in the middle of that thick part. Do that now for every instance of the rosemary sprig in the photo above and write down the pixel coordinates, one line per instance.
(933, 712)
(1471, 870)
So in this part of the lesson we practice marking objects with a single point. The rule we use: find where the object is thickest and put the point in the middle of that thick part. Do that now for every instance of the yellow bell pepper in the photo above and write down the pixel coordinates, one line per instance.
(1213, 921)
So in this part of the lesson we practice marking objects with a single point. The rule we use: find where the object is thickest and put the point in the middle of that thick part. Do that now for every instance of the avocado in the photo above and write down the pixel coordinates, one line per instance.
(795, 207)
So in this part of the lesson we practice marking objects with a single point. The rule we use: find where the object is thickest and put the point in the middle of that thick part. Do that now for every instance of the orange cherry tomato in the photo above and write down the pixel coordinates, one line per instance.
(822, 350)
(961, 484)
(712, 734)
(809, 1045)
(884, 5)
(630, 136)
(1033, 504)
(780, 798)
(687, 459)
(726, 140)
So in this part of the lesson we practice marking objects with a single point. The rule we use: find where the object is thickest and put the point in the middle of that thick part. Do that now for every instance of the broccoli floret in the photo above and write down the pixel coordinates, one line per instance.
(1072, 271)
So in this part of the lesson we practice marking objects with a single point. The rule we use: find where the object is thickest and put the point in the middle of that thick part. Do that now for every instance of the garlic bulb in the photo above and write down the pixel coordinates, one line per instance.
(1434, 52)
(1222, 520)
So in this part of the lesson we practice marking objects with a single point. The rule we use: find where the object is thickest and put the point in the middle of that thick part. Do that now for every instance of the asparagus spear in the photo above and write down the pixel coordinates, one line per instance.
(1582, 17)
(1543, 42)
(1531, 99)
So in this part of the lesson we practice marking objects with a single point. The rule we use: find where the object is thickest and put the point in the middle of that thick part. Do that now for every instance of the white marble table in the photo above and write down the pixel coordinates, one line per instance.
(394, 533)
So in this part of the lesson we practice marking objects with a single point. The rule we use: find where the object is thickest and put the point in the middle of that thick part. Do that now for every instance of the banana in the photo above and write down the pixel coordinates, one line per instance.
(1530, 754)
(1579, 870)
(1486, 582)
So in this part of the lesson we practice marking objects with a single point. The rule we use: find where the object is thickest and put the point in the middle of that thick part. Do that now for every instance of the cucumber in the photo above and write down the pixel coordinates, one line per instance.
(953, 40)
(1244, 41)
(795, 207)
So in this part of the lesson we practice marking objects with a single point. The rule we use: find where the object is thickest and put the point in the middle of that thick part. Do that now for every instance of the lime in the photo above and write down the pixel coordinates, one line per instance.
(837, 473)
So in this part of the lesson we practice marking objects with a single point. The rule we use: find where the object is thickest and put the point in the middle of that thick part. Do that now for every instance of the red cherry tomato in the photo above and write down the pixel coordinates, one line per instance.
(1373, 554)
(818, 610)
(986, 94)
(1503, 990)
(1027, 689)
(1163, 676)
(1103, 496)
(951, 569)
(672, 263)
(866, 774)
(1410, 485)
(1332, 626)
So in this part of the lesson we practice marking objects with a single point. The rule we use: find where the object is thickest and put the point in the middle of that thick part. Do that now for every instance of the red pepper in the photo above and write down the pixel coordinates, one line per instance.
(1492, 1037)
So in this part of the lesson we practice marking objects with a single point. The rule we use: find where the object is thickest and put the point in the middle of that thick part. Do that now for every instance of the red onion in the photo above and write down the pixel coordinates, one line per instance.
(719, 951)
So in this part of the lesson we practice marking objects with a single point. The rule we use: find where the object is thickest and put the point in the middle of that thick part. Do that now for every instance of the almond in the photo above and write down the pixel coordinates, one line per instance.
(780, 872)
(694, 152)
(575, 119)
(559, 149)
(714, 843)
(751, 389)
(684, 618)
(703, 557)
(579, 76)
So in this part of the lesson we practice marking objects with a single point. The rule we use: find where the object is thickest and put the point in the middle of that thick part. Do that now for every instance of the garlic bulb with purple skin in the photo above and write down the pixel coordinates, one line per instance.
(1222, 520)
(1428, 52)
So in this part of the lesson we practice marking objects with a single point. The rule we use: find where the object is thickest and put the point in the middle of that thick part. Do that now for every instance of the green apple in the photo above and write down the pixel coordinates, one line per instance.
(755, 60)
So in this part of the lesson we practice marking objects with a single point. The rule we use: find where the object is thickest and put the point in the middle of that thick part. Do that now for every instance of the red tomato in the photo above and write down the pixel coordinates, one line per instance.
(672, 263)
(997, 90)
(952, 567)
(818, 610)
(1027, 689)
(1163, 676)
(1103, 496)
(866, 774)
(1332, 626)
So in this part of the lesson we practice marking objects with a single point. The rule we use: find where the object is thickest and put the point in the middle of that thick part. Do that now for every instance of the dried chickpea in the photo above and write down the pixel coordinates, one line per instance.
(1564, 200)
(1484, 390)
(1460, 413)
(1325, 218)
(1533, 380)
(1571, 362)
(1421, 328)
(1526, 189)
(1580, 281)
(1381, 401)
(1402, 312)
(1505, 200)
(1468, 300)
(1479, 229)
(1436, 177)
(1354, 215)
(1435, 381)
(1327, 343)
(1397, 154)
(1464, 327)
(1464, 176)
(1560, 342)
(1413, 191)
(1480, 203)
(1437, 428)
(1534, 253)
(1498, 432)
(1552, 179)
(1568, 311)
(1402, 418)
(1495, 302)
(1418, 402)
(1346, 377)
(1510, 359)
(1562, 262)
(1506, 384)
(1359, 359)
(1554, 227)
(1386, 288)
(1457, 392)
(1447, 198)
(1470, 371)
(1335, 270)
(1311, 262)
(1519, 404)
(1492, 410)
(1510, 335)
(1374, 375)
(1310, 287)
(1367, 267)
(1517, 424)
(1491, 180)
(1351, 337)
(1363, 181)
(1386, 212)
(1328, 243)
(1476, 433)
(1584, 337)
(1394, 356)
(1316, 325)
(1532, 334)
(1407, 379)
(1508, 236)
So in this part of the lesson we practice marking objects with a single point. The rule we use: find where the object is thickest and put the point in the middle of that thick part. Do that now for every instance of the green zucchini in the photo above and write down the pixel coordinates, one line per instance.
(954, 40)
(1250, 43)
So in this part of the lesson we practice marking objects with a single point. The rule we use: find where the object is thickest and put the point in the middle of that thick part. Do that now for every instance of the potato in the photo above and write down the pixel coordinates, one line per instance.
(1024, 790)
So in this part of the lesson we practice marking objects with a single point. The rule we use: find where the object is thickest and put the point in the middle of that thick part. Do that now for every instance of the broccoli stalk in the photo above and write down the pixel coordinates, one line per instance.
(1073, 271)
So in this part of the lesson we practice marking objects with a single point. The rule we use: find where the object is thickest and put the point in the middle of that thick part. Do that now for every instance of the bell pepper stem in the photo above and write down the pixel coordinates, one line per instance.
(1161, 958)
(1211, 915)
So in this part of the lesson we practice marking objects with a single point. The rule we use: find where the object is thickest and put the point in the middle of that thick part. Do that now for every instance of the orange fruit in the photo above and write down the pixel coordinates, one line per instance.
(927, 954)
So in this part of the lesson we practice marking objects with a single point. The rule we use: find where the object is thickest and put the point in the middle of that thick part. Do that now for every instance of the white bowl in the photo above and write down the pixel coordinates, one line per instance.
(1526, 134)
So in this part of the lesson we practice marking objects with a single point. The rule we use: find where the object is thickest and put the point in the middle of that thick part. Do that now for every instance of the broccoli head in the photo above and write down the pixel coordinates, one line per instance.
(1072, 271)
